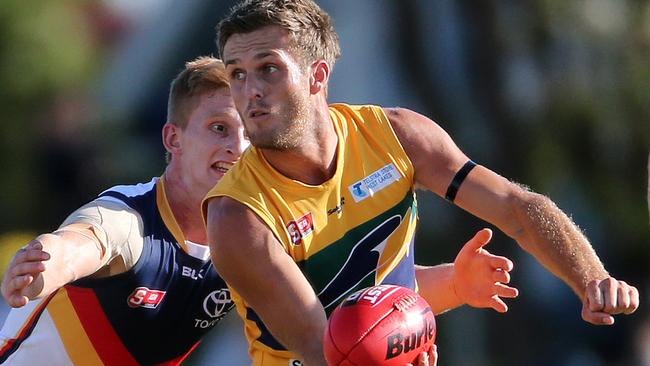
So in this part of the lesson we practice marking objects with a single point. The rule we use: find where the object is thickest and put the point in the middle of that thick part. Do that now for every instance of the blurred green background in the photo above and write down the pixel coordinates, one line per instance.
(552, 94)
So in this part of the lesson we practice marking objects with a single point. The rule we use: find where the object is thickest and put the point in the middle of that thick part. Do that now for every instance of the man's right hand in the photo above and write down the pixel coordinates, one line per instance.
(428, 359)
(24, 269)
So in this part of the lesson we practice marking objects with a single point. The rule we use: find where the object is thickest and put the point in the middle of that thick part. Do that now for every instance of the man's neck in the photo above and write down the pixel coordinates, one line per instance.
(185, 205)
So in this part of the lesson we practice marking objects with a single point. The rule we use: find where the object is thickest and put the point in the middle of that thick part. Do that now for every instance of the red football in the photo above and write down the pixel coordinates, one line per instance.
(379, 325)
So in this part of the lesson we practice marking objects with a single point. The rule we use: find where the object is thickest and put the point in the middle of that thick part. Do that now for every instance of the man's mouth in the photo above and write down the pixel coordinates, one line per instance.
(222, 166)
(256, 113)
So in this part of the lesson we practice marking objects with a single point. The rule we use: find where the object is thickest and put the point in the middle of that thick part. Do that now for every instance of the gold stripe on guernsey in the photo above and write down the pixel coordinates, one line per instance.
(74, 338)
(167, 214)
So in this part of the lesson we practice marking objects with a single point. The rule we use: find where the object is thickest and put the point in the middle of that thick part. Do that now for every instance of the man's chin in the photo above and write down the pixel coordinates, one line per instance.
(215, 177)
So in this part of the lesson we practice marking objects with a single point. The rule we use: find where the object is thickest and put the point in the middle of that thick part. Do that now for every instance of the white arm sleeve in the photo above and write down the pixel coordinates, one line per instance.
(119, 229)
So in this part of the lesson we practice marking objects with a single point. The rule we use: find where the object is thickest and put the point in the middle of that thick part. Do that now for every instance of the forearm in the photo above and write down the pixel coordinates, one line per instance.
(74, 253)
(436, 286)
(550, 236)
(304, 335)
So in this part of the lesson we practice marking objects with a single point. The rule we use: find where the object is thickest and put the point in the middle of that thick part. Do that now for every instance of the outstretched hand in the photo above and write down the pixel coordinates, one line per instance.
(607, 297)
(480, 277)
(23, 270)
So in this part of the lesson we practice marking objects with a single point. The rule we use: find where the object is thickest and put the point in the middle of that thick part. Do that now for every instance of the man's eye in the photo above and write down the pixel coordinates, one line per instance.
(271, 69)
(238, 75)
(218, 128)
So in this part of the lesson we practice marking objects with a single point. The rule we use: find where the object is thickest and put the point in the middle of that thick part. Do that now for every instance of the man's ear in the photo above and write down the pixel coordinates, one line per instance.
(320, 75)
(171, 138)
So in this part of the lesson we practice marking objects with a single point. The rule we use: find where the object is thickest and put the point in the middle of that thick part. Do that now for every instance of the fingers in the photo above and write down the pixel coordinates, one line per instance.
(20, 282)
(497, 304)
(423, 360)
(28, 260)
(21, 272)
(12, 290)
(594, 297)
(596, 317)
(501, 276)
(31, 254)
(634, 301)
(481, 238)
(428, 358)
(501, 290)
(433, 356)
(499, 262)
(17, 300)
(31, 268)
(14, 286)
(607, 297)
(508, 292)
(610, 299)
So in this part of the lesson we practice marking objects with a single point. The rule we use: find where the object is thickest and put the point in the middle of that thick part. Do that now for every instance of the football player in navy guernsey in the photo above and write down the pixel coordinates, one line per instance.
(127, 278)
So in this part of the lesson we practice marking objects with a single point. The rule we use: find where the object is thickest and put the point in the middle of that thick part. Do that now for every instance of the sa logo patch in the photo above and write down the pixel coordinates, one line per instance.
(145, 298)
(300, 228)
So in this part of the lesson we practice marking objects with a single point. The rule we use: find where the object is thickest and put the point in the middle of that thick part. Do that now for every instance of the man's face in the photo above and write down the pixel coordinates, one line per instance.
(213, 139)
(270, 87)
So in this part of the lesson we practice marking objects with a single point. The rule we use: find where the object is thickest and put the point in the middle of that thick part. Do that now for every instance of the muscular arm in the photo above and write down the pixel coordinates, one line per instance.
(533, 220)
(254, 263)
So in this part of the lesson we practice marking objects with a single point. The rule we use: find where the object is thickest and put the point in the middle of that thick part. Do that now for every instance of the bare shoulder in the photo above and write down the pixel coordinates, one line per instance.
(413, 127)
(399, 115)
(434, 155)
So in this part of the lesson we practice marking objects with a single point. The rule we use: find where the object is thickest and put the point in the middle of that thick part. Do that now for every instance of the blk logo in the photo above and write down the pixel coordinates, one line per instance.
(192, 273)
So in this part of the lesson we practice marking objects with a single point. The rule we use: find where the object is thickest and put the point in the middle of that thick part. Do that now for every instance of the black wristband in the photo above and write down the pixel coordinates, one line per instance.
(458, 180)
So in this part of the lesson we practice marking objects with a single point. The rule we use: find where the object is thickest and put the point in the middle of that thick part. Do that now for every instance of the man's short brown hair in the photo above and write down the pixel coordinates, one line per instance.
(199, 76)
(311, 28)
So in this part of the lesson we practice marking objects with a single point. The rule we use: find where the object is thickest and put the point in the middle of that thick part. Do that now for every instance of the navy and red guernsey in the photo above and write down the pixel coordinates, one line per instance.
(154, 313)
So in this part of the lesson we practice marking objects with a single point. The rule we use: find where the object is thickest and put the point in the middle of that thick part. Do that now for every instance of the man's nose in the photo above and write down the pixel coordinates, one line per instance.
(253, 88)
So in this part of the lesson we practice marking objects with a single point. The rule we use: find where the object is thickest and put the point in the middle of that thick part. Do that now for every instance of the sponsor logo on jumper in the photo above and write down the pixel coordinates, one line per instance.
(374, 182)
(192, 273)
(294, 362)
(216, 305)
(145, 298)
(338, 208)
(301, 228)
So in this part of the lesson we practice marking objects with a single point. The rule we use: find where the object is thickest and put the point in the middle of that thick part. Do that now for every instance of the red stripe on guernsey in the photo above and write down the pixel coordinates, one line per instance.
(178, 360)
(12, 344)
(107, 344)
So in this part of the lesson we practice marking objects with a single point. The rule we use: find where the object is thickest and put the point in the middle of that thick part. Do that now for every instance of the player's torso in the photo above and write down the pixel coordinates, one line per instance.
(153, 313)
(353, 231)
